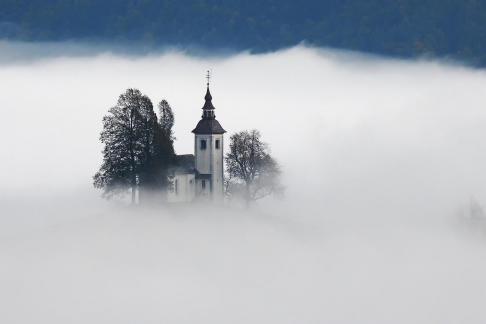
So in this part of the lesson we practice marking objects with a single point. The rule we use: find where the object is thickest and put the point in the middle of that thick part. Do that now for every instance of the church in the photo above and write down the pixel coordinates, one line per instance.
(200, 176)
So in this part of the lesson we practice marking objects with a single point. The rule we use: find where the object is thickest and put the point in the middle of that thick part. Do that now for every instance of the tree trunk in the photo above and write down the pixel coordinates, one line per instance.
(247, 195)
(133, 195)
(134, 189)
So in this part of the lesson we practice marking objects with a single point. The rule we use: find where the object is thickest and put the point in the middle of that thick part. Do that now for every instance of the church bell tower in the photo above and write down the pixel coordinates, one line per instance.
(208, 150)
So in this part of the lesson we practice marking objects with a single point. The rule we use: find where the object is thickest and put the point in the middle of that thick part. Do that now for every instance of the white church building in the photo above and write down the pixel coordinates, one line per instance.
(200, 176)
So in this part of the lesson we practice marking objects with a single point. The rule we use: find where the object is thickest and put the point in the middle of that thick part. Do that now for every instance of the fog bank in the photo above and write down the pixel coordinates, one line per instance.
(379, 158)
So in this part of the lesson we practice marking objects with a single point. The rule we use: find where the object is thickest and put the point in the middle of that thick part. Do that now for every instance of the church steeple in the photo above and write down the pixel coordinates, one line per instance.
(208, 152)
(208, 124)
(208, 96)
(208, 108)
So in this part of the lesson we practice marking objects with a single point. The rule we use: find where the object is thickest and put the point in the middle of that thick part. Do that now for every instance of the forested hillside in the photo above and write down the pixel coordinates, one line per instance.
(443, 28)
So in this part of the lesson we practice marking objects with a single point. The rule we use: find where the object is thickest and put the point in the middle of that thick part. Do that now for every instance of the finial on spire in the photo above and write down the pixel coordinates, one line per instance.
(208, 77)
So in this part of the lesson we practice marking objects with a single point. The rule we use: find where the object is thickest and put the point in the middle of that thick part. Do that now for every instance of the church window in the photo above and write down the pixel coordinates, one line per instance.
(217, 144)
(203, 144)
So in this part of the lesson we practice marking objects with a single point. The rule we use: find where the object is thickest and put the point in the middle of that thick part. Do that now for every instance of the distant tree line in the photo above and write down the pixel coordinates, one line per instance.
(406, 28)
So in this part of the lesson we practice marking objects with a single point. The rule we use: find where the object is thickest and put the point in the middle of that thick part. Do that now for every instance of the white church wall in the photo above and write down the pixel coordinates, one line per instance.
(217, 167)
(203, 189)
(183, 188)
(203, 156)
(209, 160)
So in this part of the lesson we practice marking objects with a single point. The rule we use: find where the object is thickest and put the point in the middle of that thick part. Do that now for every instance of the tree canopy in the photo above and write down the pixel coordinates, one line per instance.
(138, 148)
(252, 172)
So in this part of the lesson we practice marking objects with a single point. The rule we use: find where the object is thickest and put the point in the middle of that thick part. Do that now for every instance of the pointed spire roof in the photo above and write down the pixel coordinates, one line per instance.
(208, 96)
(208, 104)
(208, 123)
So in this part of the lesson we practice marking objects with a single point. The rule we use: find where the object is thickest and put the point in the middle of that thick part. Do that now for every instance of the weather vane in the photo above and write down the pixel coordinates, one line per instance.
(208, 76)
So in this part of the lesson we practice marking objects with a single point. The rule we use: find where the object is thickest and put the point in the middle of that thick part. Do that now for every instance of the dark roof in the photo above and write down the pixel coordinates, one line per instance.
(208, 126)
(203, 176)
(208, 123)
(208, 104)
(183, 164)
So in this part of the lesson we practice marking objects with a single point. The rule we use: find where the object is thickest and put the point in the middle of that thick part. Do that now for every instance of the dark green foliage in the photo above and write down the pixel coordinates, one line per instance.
(445, 28)
(252, 173)
(122, 136)
(166, 119)
(137, 151)
(163, 153)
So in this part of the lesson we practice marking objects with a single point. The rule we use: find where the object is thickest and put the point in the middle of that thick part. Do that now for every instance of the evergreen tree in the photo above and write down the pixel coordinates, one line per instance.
(148, 170)
(166, 119)
(161, 156)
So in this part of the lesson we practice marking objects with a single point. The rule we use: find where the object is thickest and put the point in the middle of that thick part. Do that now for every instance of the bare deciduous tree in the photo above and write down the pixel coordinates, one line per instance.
(251, 170)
